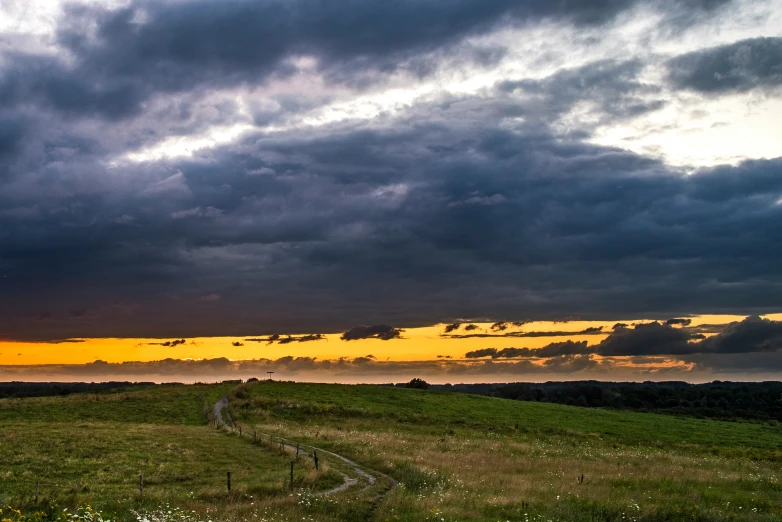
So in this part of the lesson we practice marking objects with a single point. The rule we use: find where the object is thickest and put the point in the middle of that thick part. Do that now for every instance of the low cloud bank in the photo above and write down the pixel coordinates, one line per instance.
(749, 345)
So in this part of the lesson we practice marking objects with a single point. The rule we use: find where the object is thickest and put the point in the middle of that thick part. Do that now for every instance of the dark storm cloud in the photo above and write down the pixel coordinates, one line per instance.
(589, 227)
(645, 339)
(463, 206)
(753, 334)
(122, 57)
(740, 66)
(750, 336)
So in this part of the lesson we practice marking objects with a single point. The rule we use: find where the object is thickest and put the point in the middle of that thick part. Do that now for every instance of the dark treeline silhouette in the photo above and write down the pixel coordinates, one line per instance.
(718, 399)
(40, 389)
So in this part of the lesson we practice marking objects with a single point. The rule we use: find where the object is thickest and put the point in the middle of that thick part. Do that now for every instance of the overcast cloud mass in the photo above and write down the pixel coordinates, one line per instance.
(191, 168)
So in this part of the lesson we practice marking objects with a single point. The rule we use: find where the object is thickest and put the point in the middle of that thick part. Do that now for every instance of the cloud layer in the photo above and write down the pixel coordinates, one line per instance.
(180, 169)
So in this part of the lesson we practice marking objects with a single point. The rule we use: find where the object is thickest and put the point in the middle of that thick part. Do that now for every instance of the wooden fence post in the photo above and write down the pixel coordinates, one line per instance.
(291, 473)
(228, 479)
(315, 458)
(297, 451)
(240, 430)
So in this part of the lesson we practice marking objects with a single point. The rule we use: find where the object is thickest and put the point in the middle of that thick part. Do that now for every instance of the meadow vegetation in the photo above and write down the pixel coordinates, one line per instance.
(454, 456)
(90, 449)
(468, 457)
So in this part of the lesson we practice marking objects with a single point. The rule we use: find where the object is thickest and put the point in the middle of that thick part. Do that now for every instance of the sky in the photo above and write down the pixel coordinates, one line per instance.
(356, 176)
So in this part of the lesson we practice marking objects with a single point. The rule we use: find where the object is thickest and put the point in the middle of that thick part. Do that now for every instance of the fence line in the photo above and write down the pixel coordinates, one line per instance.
(38, 487)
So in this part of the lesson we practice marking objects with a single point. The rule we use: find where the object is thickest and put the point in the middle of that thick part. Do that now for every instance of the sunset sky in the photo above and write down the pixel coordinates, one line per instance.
(597, 182)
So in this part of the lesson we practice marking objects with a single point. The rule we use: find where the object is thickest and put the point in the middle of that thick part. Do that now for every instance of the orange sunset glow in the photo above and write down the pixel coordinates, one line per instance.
(434, 343)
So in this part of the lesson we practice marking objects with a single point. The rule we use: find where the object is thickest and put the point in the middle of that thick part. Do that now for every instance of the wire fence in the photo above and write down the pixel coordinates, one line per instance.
(41, 488)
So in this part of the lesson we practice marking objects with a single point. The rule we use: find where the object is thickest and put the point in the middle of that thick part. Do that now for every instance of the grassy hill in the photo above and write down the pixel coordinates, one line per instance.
(91, 448)
(455, 457)
(298, 401)
(466, 457)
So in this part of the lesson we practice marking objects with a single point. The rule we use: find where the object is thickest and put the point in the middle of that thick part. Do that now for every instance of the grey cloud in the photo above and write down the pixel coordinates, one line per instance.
(565, 348)
(597, 330)
(175, 342)
(645, 339)
(768, 363)
(483, 352)
(612, 85)
(379, 331)
(753, 334)
(147, 47)
(359, 369)
(678, 321)
(737, 67)
(451, 327)
(378, 222)
(750, 336)
(590, 228)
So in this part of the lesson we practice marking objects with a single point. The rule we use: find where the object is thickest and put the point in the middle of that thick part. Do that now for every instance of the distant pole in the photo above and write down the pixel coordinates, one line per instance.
(228, 479)
(291, 473)
(240, 430)
(315, 458)
(141, 484)
(297, 451)
(270, 375)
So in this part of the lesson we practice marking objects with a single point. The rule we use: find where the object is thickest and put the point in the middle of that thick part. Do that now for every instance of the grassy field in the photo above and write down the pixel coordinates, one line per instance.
(89, 449)
(465, 457)
(455, 457)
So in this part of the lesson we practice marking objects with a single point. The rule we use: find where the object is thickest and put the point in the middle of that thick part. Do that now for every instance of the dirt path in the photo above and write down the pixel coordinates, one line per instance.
(222, 405)
(217, 410)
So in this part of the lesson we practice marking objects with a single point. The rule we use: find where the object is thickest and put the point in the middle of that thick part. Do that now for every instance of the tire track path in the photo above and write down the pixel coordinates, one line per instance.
(363, 472)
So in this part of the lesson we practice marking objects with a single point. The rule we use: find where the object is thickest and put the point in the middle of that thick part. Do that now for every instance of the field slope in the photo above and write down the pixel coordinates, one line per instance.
(456, 457)
(92, 448)
(467, 457)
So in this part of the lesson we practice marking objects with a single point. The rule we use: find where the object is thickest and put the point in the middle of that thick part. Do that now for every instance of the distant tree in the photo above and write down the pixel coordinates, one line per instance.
(417, 383)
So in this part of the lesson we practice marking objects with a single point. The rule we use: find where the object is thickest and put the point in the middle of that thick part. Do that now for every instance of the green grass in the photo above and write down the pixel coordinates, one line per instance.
(456, 457)
(91, 448)
(466, 457)
(434, 408)
(168, 404)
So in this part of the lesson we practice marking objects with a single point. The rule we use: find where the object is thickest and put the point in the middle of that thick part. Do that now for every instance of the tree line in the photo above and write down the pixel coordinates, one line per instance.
(718, 399)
